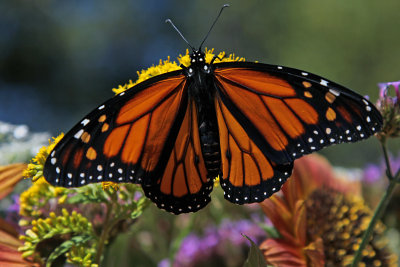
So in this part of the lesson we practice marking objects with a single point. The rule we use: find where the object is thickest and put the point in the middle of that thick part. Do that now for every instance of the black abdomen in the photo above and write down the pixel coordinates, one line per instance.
(209, 139)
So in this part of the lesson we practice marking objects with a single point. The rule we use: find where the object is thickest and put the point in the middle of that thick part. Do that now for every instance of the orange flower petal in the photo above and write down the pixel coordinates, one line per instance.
(300, 222)
(315, 253)
(9, 243)
(281, 217)
(10, 175)
(278, 252)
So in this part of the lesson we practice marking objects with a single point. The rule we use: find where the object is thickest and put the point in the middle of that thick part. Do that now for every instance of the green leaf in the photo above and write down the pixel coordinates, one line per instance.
(255, 258)
(135, 214)
(66, 246)
(88, 194)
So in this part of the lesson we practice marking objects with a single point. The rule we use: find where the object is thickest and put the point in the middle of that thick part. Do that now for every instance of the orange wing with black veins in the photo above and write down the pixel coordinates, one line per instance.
(184, 186)
(270, 115)
(127, 139)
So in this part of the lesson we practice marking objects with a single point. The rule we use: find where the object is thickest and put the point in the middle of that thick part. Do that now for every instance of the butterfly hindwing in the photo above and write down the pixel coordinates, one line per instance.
(247, 174)
(289, 113)
(126, 139)
(184, 186)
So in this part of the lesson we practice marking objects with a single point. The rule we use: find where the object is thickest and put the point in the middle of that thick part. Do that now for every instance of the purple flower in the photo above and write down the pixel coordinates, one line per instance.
(189, 251)
(14, 208)
(389, 107)
(217, 242)
(137, 196)
(383, 92)
(164, 263)
(372, 173)
(12, 212)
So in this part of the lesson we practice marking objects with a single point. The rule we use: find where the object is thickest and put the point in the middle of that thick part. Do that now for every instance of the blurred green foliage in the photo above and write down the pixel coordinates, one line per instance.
(59, 59)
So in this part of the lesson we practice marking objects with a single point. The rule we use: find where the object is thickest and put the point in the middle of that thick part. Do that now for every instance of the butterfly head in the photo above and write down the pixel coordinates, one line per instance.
(198, 63)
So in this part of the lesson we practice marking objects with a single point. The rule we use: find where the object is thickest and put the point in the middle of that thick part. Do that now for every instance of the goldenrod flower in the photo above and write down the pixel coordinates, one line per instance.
(35, 168)
(37, 196)
(109, 185)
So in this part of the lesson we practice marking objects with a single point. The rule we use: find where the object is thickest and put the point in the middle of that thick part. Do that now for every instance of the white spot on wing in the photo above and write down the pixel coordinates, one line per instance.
(78, 134)
(323, 82)
(101, 107)
(328, 130)
(333, 91)
(85, 121)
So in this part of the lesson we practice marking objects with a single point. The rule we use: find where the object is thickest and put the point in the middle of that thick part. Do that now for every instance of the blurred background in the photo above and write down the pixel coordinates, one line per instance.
(59, 59)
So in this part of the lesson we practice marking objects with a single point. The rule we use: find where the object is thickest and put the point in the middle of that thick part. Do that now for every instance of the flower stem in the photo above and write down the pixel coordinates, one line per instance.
(380, 209)
(104, 234)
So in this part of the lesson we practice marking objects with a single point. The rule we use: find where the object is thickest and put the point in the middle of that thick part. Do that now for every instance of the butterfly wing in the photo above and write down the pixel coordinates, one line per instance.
(247, 174)
(284, 113)
(184, 186)
(126, 139)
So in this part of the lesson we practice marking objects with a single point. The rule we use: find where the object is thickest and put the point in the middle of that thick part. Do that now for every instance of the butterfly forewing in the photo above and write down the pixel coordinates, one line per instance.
(289, 113)
(126, 139)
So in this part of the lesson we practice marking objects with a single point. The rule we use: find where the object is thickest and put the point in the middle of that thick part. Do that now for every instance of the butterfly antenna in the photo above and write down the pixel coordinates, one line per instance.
(176, 29)
(212, 26)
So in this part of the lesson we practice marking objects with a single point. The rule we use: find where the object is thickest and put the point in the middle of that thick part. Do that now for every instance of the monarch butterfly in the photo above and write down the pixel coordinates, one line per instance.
(173, 133)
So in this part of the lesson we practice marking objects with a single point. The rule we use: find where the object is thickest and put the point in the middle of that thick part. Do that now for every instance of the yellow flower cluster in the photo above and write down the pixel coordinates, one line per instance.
(67, 223)
(32, 198)
(35, 168)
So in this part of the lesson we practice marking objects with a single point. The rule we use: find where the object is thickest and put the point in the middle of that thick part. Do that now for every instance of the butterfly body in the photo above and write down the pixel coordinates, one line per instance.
(201, 88)
(246, 122)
